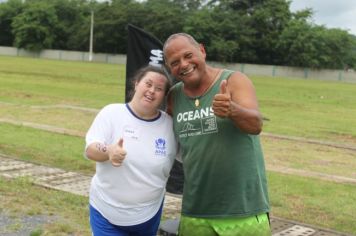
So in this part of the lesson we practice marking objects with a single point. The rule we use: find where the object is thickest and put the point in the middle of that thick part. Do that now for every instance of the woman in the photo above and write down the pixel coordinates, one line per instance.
(134, 148)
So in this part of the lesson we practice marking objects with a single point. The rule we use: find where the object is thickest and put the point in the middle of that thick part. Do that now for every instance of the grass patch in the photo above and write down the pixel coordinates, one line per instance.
(312, 201)
(308, 108)
(46, 148)
(62, 117)
(309, 157)
(45, 82)
(67, 213)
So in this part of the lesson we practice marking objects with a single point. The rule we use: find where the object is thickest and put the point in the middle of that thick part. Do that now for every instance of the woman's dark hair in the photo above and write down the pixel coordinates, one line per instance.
(143, 71)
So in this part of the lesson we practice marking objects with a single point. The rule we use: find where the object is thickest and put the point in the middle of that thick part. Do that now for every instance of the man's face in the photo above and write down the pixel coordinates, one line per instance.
(184, 59)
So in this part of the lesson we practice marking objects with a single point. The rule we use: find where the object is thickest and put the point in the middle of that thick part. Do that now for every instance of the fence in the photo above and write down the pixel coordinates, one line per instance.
(64, 55)
(249, 69)
(291, 72)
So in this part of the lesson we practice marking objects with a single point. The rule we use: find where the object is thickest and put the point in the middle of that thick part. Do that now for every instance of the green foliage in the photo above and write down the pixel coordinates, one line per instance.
(224, 49)
(340, 41)
(316, 47)
(73, 26)
(245, 31)
(222, 33)
(7, 12)
(157, 13)
(34, 27)
(269, 19)
(189, 5)
(111, 24)
(296, 41)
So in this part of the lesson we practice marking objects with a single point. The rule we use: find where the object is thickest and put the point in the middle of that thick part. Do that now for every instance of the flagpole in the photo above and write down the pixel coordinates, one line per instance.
(91, 36)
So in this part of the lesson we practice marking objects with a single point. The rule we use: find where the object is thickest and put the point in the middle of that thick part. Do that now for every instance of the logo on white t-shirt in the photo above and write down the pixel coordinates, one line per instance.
(160, 147)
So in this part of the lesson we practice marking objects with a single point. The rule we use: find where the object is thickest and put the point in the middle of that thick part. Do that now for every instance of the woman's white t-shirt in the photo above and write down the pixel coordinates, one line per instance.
(132, 193)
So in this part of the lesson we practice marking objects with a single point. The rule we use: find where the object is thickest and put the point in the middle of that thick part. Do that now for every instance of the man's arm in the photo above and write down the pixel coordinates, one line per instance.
(237, 101)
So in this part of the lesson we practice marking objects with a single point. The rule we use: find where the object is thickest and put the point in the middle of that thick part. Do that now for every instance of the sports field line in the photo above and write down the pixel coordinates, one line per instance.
(44, 127)
(311, 141)
(63, 106)
(308, 173)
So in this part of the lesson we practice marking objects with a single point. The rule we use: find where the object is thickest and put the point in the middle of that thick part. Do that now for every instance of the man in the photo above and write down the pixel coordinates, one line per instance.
(217, 122)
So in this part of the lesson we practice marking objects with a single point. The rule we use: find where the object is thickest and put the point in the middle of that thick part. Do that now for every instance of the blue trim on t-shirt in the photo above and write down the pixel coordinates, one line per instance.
(148, 120)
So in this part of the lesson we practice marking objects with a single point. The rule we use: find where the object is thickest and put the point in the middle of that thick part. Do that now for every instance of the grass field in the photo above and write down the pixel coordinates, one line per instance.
(67, 95)
(308, 108)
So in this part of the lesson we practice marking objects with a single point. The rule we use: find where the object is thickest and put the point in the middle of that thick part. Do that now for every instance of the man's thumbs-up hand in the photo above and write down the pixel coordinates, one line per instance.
(222, 101)
(117, 153)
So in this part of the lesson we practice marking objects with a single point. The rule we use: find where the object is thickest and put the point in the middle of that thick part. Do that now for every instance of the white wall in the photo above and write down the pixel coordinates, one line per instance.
(249, 69)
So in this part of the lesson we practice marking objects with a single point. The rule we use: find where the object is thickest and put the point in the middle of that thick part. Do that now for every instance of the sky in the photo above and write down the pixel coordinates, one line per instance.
(330, 13)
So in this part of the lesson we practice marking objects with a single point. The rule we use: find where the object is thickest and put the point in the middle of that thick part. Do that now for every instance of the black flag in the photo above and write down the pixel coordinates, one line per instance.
(143, 49)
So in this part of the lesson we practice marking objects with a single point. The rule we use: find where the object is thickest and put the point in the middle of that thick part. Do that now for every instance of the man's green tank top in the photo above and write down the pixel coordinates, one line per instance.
(224, 172)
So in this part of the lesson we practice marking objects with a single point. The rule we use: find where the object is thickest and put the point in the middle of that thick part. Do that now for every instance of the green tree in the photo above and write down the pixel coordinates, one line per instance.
(297, 42)
(110, 29)
(256, 25)
(223, 33)
(303, 44)
(8, 10)
(351, 56)
(269, 19)
(162, 17)
(189, 5)
(339, 49)
(72, 30)
(224, 50)
(237, 5)
(34, 27)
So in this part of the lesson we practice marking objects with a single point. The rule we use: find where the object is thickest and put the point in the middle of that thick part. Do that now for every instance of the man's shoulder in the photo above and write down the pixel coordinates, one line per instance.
(234, 74)
(226, 73)
(176, 87)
